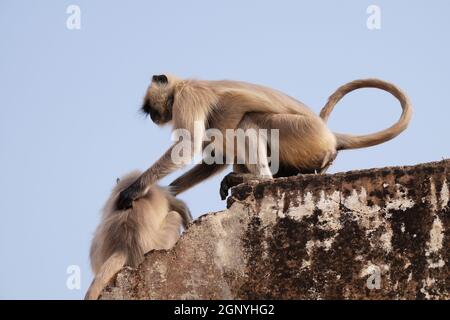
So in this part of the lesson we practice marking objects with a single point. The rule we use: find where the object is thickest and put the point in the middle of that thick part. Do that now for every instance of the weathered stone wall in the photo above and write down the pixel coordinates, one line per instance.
(371, 234)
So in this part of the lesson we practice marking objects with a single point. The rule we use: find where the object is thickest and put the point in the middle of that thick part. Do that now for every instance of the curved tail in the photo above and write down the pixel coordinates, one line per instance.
(106, 272)
(347, 141)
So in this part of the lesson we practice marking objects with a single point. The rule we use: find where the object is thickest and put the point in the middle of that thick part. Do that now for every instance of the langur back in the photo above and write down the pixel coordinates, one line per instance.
(123, 237)
(137, 230)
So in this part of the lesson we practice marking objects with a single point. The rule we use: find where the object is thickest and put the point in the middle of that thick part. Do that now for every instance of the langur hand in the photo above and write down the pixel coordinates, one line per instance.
(128, 195)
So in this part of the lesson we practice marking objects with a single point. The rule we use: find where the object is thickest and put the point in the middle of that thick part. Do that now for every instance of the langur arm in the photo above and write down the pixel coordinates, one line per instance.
(163, 167)
(189, 112)
(194, 176)
(159, 170)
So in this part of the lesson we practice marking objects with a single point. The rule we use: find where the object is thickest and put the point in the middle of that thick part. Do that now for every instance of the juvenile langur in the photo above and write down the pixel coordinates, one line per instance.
(306, 144)
(124, 236)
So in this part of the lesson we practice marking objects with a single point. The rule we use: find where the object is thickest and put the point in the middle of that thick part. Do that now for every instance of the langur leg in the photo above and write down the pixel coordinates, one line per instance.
(239, 168)
(254, 168)
(261, 167)
(296, 144)
(169, 232)
(255, 154)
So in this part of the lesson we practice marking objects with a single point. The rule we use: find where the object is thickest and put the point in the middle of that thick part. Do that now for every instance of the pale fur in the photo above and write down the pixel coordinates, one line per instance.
(124, 236)
(306, 143)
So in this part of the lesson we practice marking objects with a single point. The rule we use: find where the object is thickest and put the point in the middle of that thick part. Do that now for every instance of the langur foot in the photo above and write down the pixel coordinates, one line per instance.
(233, 179)
(327, 162)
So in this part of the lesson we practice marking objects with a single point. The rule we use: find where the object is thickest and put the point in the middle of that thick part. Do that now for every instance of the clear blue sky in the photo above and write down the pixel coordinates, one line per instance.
(69, 123)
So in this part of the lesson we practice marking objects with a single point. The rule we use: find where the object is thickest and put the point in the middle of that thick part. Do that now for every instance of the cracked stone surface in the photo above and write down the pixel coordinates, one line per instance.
(370, 234)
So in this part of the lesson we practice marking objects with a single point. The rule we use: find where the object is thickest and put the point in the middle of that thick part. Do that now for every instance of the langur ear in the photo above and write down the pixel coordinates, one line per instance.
(117, 180)
(161, 79)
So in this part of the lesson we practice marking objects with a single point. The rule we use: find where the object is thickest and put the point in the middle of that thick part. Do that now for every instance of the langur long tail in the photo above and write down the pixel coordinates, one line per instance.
(347, 141)
(105, 274)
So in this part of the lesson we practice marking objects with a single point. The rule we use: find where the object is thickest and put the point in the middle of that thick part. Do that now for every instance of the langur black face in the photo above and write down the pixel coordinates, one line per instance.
(158, 101)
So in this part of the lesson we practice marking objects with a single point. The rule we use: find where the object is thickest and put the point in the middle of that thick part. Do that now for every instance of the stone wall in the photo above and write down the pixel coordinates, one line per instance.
(371, 234)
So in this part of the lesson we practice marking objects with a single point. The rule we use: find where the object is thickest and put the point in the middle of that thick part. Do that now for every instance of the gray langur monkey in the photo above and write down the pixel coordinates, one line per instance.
(124, 236)
(306, 144)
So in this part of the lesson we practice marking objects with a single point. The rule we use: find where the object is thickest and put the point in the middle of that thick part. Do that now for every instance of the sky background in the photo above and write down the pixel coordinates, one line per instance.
(69, 100)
